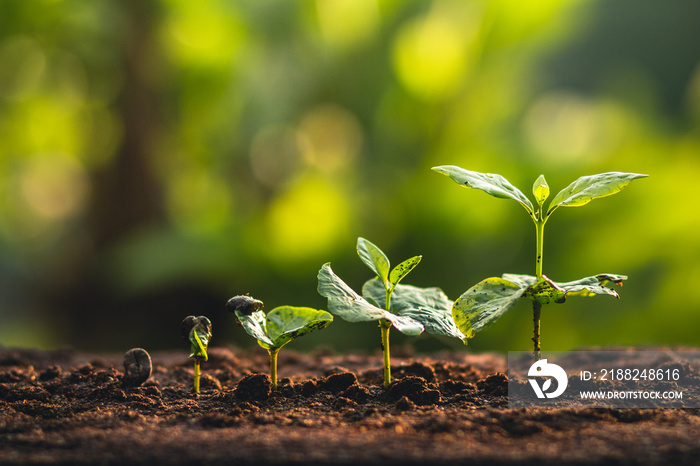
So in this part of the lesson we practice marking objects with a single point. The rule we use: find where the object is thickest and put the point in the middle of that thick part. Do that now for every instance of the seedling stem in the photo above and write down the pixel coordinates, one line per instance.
(536, 305)
(385, 326)
(196, 375)
(273, 366)
(536, 308)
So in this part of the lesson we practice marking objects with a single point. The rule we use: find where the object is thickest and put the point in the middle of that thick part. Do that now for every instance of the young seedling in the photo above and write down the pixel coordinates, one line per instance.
(198, 331)
(411, 310)
(488, 300)
(280, 326)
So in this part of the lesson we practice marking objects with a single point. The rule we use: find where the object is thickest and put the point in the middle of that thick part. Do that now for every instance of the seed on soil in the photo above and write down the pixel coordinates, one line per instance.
(137, 367)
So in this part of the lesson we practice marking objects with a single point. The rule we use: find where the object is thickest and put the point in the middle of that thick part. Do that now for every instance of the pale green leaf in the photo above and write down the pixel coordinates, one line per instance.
(540, 190)
(374, 258)
(588, 286)
(435, 321)
(493, 184)
(591, 286)
(285, 323)
(255, 325)
(482, 304)
(406, 324)
(199, 339)
(344, 302)
(429, 306)
(401, 270)
(585, 189)
(523, 281)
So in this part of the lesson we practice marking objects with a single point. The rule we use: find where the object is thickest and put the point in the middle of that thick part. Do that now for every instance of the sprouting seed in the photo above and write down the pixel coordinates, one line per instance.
(276, 328)
(198, 331)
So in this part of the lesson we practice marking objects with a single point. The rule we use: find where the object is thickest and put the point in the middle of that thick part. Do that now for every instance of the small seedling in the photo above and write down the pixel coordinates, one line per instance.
(280, 326)
(411, 310)
(137, 367)
(489, 299)
(198, 331)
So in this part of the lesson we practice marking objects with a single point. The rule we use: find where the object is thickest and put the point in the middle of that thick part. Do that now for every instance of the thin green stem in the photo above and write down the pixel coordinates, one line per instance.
(196, 375)
(539, 228)
(385, 326)
(536, 305)
(273, 366)
(389, 291)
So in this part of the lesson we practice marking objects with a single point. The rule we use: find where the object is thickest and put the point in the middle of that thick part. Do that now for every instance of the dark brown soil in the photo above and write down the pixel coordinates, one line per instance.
(63, 407)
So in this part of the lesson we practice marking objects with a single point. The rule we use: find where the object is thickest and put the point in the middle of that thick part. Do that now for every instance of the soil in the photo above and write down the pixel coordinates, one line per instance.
(66, 407)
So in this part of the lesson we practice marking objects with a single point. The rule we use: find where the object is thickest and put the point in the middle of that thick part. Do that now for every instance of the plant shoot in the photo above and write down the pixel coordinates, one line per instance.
(489, 299)
(409, 309)
(198, 331)
(280, 326)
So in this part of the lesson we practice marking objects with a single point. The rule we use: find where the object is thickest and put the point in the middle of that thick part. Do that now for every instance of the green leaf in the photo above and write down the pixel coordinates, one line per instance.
(255, 325)
(429, 306)
(540, 190)
(523, 281)
(591, 286)
(401, 270)
(585, 189)
(285, 323)
(588, 286)
(374, 258)
(493, 184)
(545, 291)
(344, 302)
(484, 303)
(436, 322)
(199, 339)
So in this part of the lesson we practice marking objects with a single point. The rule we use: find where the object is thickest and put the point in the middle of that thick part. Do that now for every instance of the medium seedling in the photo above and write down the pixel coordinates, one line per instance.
(198, 331)
(489, 299)
(411, 310)
(280, 326)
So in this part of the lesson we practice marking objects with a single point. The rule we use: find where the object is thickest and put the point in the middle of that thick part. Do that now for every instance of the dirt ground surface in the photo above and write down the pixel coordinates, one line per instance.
(64, 407)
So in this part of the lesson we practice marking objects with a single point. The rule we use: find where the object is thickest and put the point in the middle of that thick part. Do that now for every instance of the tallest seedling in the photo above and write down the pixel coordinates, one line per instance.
(489, 299)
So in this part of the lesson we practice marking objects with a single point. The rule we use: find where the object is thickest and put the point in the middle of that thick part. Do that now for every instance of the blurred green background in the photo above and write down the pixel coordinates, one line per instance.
(160, 156)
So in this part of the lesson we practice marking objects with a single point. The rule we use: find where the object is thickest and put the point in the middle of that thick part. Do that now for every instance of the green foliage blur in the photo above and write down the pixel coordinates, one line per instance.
(160, 156)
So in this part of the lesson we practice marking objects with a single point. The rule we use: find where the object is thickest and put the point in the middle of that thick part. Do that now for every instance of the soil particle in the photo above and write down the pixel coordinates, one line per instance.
(336, 383)
(415, 389)
(255, 387)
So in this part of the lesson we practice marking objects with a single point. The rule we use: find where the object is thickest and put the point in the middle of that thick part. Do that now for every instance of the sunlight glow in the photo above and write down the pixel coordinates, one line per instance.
(434, 54)
(307, 221)
(345, 23)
